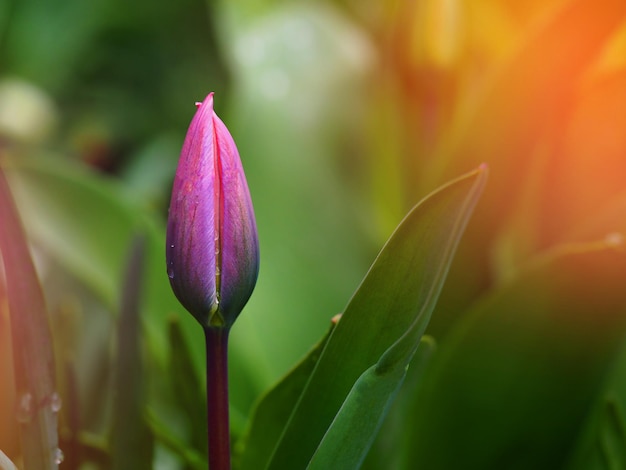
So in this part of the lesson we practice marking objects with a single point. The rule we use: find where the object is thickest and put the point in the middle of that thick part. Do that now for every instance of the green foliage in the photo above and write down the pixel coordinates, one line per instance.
(67, 209)
(274, 408)
(345, 114)
(555, 334)
(602, 440)
(349, 438)
(399, 291)
(131, 442)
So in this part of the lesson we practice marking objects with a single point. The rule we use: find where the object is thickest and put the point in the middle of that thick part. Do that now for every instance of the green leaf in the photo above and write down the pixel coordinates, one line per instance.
(386, 451)
(67, 210)
(273, 410)
(352, 432)
(613, 435)
(188, 387)
(512, 384)
(402, 284)
(602, 441)
(131, 441)
(37, 399)
(191, 458)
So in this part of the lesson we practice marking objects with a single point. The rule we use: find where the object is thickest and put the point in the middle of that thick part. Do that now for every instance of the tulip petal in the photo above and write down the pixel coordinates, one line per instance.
(212, 244)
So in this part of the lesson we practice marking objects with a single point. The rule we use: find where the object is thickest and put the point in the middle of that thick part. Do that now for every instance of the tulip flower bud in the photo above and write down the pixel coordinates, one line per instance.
(212, 250)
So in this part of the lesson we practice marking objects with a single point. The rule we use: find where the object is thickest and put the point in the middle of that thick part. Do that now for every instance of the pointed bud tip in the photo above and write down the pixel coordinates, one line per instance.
(208, 101)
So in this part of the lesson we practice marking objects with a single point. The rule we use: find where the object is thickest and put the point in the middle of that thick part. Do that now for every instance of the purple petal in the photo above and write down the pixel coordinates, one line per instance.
(212, 248)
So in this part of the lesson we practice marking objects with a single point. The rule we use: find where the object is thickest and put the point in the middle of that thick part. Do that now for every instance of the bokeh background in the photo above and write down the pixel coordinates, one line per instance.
(346, 113)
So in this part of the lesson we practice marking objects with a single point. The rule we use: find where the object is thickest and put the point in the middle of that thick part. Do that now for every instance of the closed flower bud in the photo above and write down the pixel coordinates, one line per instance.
(212, 250)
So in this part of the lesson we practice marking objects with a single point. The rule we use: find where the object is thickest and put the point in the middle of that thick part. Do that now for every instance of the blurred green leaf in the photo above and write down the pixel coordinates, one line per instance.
(39, 45)
(131, 441)
(273, 410)
(352, 432)
(402, 285)
(79, 217)
(602, 442)
(514, 381)
(613, 435)
(86, 223)
(163, 433)
(37, 398)
(188, 387)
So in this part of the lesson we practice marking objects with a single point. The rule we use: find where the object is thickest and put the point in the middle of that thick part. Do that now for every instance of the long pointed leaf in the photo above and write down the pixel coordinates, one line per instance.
(602, 441)
(188, 387)
(347, 441)
(38, 402)
(67, 209)
(273, 411)
(407, 274)
(132, 443)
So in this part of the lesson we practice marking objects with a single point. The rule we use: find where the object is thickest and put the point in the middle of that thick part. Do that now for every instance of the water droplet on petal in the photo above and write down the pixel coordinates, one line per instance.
(58, 456)
(55, 402)
(170, 273)
(25, 408)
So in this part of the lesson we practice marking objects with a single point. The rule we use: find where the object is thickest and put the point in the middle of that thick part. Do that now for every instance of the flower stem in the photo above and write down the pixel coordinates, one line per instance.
(217, 397)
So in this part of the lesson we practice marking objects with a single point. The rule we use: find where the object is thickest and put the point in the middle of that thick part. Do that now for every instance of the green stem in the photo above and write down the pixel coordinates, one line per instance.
(217, 397)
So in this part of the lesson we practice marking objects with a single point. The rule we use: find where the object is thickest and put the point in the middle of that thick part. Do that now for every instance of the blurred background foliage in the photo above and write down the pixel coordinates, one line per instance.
(346, 113)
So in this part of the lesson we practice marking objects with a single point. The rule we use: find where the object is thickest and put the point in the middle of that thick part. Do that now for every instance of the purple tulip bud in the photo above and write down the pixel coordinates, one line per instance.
(212, 250)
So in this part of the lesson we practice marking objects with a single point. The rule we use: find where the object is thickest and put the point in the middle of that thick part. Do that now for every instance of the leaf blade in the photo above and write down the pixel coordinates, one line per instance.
(392, 292)
(352, 432)
(273, 411)
(32, 342)
(131, 441)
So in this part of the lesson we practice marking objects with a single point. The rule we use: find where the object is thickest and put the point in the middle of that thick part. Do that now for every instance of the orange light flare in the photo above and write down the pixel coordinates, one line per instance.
(535, 89)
